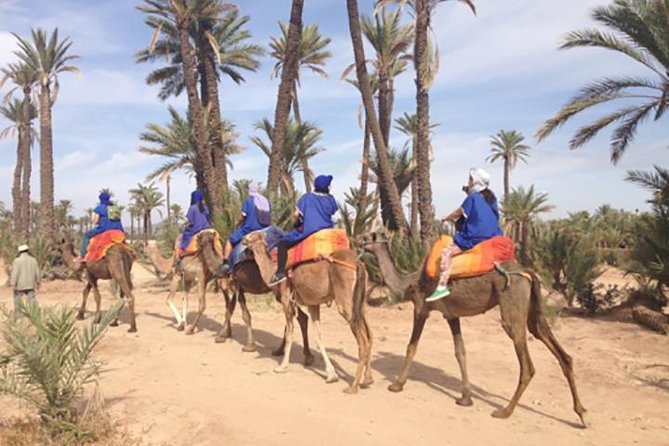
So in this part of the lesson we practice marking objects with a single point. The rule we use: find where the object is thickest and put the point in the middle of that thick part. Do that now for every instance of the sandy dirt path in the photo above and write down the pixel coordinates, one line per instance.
(173, 389)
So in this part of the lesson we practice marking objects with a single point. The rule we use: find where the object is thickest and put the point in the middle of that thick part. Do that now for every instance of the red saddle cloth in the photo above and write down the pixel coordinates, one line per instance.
(194, 245)
(321, 243)
(99, 245)
(477, 261)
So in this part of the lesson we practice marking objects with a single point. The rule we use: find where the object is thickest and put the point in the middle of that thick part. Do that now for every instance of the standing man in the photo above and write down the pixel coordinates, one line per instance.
(25, 278)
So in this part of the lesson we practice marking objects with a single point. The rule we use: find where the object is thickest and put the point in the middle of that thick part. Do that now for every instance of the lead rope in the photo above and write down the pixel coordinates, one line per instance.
(507, 274)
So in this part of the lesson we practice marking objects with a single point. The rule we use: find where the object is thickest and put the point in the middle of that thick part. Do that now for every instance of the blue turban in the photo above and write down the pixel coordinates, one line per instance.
(196, 197)
(322, 183)
(104, 198)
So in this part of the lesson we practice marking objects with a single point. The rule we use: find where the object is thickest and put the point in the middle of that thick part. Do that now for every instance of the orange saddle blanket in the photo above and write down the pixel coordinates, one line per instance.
(321, 243)
(194, 245)
(102, 242)
(473, 262)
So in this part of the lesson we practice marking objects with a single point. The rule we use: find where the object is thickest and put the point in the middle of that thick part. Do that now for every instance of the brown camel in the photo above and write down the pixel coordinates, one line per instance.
(246, 278)
(197, 269)
(116, 265)
(519, 302)
(164, 267)
(340, 277)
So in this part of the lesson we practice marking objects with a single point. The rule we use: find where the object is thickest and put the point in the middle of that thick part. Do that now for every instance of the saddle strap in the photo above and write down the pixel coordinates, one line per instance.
(339, 262)
(507, 274)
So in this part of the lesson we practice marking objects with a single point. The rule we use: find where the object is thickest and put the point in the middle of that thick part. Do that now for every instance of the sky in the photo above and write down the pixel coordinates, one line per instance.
(499, 69)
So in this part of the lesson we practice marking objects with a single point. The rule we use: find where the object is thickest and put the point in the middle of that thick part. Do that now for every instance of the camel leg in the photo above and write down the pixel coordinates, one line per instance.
(98, 302)
(419, 319)
(361, 333)
(131, 308)
(460, 355)
(82, 309)
(246, 316)
(303, 320)
(184, 311)
(369, 380)
(315, 314)
(174, 286)
(201, 305)
(226, 331)
(289, 311)
(514, 318)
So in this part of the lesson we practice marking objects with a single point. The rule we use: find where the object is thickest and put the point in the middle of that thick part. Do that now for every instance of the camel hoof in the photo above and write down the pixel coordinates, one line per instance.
(80, 316)
(278, 352)
(190, 330)
(350, 390)
(308, 360)
(584, 420)
(249, 348)
(113, 324)
(367, 382)
(395, 387)
(464, 401)
(501, 413)
(331, 379)
(220, 339)
(180, 327)
(132, 329)
(280, 369)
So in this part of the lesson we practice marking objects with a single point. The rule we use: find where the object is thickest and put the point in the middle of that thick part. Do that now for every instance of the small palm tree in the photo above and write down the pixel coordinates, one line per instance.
(520, 210)
(47, 57)
(147, 198)
(507, 145)
(638, 31)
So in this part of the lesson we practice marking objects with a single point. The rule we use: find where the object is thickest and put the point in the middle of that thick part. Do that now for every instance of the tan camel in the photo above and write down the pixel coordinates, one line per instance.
(164, 267)
(519, 302)
(116, 265)
(246, 278)
(196, 269)
(340, 277)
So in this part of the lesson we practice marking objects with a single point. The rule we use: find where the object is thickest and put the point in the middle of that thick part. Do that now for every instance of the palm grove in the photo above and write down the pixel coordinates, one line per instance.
(200, 47)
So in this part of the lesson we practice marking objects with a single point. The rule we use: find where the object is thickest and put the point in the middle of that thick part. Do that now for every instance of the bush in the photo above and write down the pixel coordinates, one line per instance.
(48, 362)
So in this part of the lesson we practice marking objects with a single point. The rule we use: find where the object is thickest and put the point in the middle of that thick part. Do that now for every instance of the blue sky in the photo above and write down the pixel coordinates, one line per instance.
(499, 70)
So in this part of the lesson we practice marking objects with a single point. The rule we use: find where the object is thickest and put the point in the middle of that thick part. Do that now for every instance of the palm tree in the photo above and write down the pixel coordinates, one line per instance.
(289, 73)
(396, 213)
(177, 214)
(47, 57)
(300, 145)
(62, 212)
(23, 77)
(146, 199)
(424, 75)
(638, 30)
(404, 170)
(311, 55)
(508, 146)
(520, 210)
(13, 112)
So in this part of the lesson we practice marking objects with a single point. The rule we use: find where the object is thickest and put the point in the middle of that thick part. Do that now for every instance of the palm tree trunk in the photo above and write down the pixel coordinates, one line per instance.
(167, 200)
(524, 243)
(423, 121)
(506, 179)
(381, 149)
(132, 226)
(47, 223)
(384, 107)
(364, 176)
(288, 74)
(211, 101)
(306, 170)
(195, 113)
(17, 208)
(24, 230)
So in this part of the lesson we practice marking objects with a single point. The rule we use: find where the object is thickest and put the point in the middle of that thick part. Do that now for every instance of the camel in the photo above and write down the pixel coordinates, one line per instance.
(116, 265)
(340, 277)
(246, 278)
(198, 268)
(164, 268)
(520, 306)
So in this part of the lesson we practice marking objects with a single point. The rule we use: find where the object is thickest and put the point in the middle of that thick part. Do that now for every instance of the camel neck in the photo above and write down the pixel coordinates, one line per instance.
(263, 260)
(396, 281)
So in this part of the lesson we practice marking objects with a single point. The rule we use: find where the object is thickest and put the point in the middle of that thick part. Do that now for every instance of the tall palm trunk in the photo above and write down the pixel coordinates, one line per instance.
(17, 207)
(195, 113)
(506, 178)
(288, 75)
(364, 176)
(385, 107)
(423, 121)
(210, 101)
(381, 150)
(414, 198)
(304, 163)
(24, 230)
(47, 225)
(132, 226)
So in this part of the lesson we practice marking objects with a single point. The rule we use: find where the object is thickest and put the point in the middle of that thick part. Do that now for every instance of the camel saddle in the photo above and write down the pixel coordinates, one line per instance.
(317, 245)
(193, 247)
(240, 253)
(477, 261)
(99, 245)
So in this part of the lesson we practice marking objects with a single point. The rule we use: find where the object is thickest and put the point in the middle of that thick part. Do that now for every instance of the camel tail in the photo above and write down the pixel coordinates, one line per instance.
(359, 294)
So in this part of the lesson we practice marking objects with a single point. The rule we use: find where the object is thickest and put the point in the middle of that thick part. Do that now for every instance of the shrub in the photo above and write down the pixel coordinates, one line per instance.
(48, 361)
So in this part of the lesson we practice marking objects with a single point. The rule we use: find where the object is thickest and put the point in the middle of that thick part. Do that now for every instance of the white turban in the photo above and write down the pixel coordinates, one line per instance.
(480, 178)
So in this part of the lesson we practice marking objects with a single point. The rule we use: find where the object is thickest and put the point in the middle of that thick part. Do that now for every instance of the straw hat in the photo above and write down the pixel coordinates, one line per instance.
(23, 248)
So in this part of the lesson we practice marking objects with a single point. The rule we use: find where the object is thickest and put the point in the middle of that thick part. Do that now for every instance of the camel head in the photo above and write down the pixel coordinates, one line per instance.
(253, 239)
(371, 242)
(67, 246)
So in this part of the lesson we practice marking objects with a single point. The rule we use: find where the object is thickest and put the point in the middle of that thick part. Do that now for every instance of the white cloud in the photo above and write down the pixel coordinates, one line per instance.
(74, 160)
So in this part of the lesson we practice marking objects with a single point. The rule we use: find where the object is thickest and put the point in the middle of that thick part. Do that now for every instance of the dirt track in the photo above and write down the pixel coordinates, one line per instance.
(169, 388)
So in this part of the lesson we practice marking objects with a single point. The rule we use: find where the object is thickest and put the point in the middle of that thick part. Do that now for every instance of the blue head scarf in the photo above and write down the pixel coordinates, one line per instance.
(196, 197)
(104, 198)
(322, 183)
